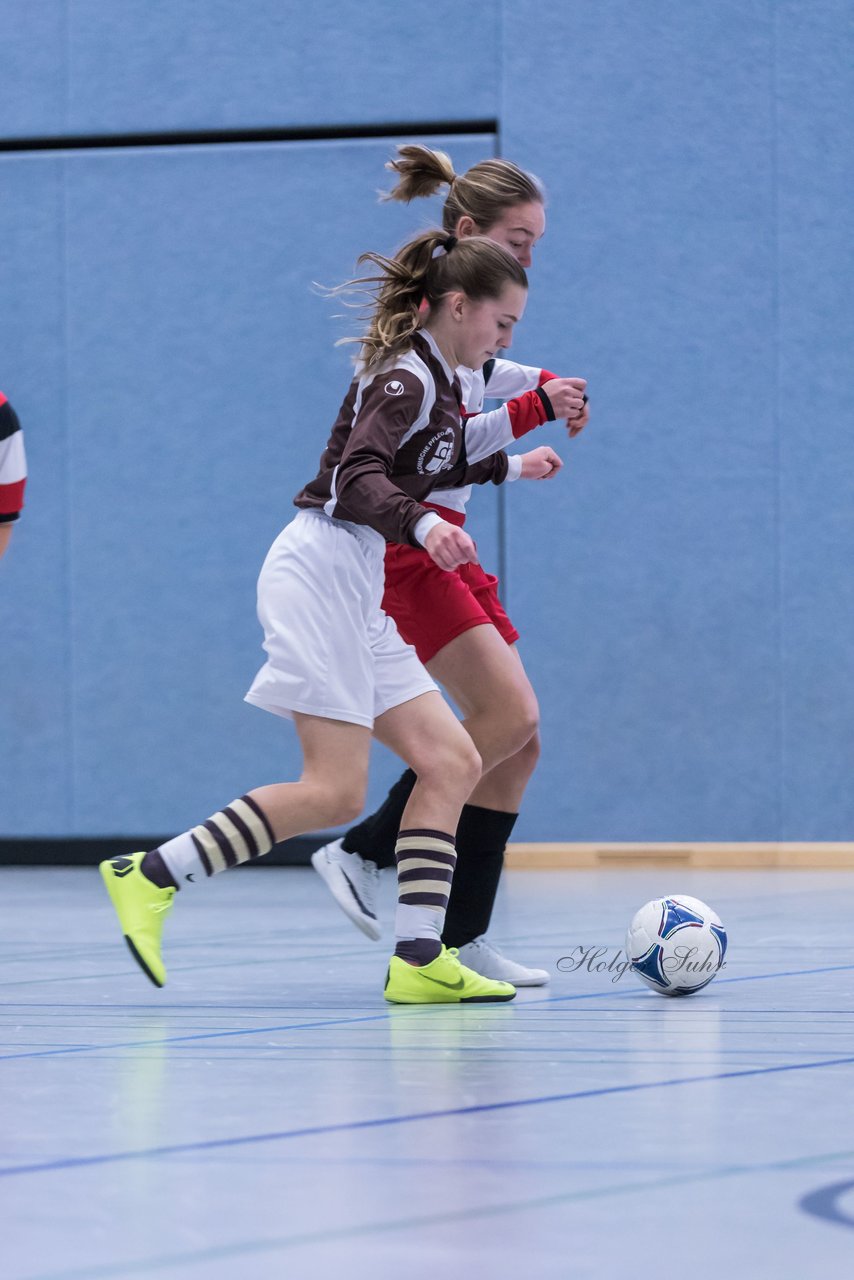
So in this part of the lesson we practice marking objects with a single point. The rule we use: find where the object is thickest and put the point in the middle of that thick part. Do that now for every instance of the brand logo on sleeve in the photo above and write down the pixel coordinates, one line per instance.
(394, 388)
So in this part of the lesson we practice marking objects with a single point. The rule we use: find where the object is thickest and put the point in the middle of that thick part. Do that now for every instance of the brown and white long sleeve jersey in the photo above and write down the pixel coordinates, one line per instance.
(398, 435)
(13, 463)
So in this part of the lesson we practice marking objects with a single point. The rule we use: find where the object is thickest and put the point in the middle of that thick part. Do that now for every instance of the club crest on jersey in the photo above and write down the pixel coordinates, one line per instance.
(394, 388)
(438, 453)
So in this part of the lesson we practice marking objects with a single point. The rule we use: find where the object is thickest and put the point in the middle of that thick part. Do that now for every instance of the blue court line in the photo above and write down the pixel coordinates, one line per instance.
(201, 1035)
(539, 1004)
(274, 1244)
(198, 1006)
(382, 1122)
(719, 982)
(245, 963)
(824, 1203)
(214, 1007)
(574, 1055)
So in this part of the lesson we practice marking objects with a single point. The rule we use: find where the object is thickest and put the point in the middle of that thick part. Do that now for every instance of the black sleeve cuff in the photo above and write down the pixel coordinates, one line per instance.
(547, 404)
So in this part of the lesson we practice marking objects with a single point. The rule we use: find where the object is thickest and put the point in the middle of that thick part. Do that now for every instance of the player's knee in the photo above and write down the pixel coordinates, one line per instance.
(520, 722)
(464, 765)
(528, 756)
(529, 727)
(517, 768)
(471, 766)
(336, 801)
(347, 801)
(453, 767)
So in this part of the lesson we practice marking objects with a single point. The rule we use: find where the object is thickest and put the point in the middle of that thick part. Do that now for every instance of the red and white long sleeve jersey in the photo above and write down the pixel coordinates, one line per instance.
(525, 408)
(13, 463)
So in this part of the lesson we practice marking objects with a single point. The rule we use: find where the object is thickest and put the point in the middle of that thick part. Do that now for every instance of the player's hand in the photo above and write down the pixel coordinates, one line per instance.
(540, 464)
(574, 425)
(449, 547)
(566, 396)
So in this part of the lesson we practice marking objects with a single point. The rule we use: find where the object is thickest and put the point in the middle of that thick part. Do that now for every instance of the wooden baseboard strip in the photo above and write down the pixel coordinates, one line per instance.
(740, 856)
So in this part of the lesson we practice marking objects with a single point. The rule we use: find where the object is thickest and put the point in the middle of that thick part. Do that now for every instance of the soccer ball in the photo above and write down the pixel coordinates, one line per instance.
(676, 945)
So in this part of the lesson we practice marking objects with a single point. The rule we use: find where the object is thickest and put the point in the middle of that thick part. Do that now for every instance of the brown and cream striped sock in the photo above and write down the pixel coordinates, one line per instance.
(239, 833)
(425, 869)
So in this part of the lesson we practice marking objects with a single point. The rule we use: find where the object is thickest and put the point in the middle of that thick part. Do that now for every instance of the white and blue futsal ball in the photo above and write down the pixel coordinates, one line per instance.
(676, 945)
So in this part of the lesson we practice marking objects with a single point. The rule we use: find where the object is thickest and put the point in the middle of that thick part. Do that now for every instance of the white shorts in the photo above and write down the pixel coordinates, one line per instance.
(331, 651)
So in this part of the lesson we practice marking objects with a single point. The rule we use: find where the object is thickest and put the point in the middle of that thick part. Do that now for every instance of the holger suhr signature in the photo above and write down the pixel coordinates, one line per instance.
(683, 959)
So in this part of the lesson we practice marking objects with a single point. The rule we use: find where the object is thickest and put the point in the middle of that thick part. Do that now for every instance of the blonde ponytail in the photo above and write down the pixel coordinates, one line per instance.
(483, 193)
(422, 172)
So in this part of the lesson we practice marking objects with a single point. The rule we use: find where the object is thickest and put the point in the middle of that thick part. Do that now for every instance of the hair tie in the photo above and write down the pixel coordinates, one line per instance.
(444, 246)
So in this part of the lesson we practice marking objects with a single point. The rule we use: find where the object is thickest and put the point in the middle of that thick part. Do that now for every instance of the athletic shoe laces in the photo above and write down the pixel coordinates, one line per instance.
(483, 944)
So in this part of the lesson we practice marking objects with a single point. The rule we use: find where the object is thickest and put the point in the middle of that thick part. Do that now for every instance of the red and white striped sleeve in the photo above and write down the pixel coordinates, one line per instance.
(13, 463)
(505, 379)
(528, 407)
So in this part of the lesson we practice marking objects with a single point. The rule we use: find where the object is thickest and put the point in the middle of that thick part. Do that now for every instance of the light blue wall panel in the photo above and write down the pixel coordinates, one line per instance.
(683, 589)
(202, 384)
(33, 68)
(653, 637)
(36, 659)
(644, 607)
(815, 59)
(153, 65)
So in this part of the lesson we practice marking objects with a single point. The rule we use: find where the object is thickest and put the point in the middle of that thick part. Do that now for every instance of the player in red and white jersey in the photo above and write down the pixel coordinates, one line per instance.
(528, 405)
(13, 470)
(336, 664)
(455, 620)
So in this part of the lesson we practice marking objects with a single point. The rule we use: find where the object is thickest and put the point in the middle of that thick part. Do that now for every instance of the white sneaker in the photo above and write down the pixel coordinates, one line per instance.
(488, 961)
(353, 882)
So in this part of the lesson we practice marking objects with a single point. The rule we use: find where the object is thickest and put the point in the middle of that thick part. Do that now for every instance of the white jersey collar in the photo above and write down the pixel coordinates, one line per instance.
(432, 344)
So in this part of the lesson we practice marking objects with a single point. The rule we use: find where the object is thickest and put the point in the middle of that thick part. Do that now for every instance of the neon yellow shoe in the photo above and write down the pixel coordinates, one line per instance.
(442, 981)
(141, 907)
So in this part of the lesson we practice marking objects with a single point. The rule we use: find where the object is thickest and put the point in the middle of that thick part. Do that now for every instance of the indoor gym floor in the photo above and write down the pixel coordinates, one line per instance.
(268, 1115)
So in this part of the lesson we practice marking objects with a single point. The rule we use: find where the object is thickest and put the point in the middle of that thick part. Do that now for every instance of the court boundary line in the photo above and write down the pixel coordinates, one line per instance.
(381, 1122)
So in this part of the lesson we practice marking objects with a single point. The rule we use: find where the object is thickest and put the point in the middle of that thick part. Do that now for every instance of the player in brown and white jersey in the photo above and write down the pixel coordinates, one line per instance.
(336, 664)
(455, 619)
(13, 470)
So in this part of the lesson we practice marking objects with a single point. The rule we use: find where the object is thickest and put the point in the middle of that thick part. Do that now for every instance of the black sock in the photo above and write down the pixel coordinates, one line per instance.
(419, 951)
(482, 835)
(155, 869)
(375, 836)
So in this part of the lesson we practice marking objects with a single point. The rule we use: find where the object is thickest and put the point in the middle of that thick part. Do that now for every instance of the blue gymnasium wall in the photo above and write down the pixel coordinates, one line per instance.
(684, 588)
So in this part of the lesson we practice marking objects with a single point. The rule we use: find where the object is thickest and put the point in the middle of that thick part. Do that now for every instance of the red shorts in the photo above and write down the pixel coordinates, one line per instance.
(432, 606)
